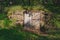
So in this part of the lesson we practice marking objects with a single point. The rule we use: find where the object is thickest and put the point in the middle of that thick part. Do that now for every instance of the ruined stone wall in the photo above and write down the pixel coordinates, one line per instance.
(38, 19)
(17, 16)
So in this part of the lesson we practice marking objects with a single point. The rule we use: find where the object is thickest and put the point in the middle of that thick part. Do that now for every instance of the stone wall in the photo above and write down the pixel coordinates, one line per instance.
(38, 19)
(17, 16)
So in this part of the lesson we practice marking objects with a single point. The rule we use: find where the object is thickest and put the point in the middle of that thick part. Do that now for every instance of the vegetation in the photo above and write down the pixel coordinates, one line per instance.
(10, 31)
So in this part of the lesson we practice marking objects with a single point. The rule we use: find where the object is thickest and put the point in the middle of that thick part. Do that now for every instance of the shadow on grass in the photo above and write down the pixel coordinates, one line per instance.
(6, 34)
(54, 32)
(3, 16)
(11, 34)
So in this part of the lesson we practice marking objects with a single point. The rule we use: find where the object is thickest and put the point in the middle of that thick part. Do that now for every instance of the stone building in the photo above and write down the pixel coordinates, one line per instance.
(32, 20)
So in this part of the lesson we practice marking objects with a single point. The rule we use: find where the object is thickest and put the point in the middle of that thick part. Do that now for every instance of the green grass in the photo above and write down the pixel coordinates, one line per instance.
(3, 16)
(12, 34)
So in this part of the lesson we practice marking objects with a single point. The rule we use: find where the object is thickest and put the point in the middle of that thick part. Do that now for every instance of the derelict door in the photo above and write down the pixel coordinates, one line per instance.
(27, 20)
(32, 20)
